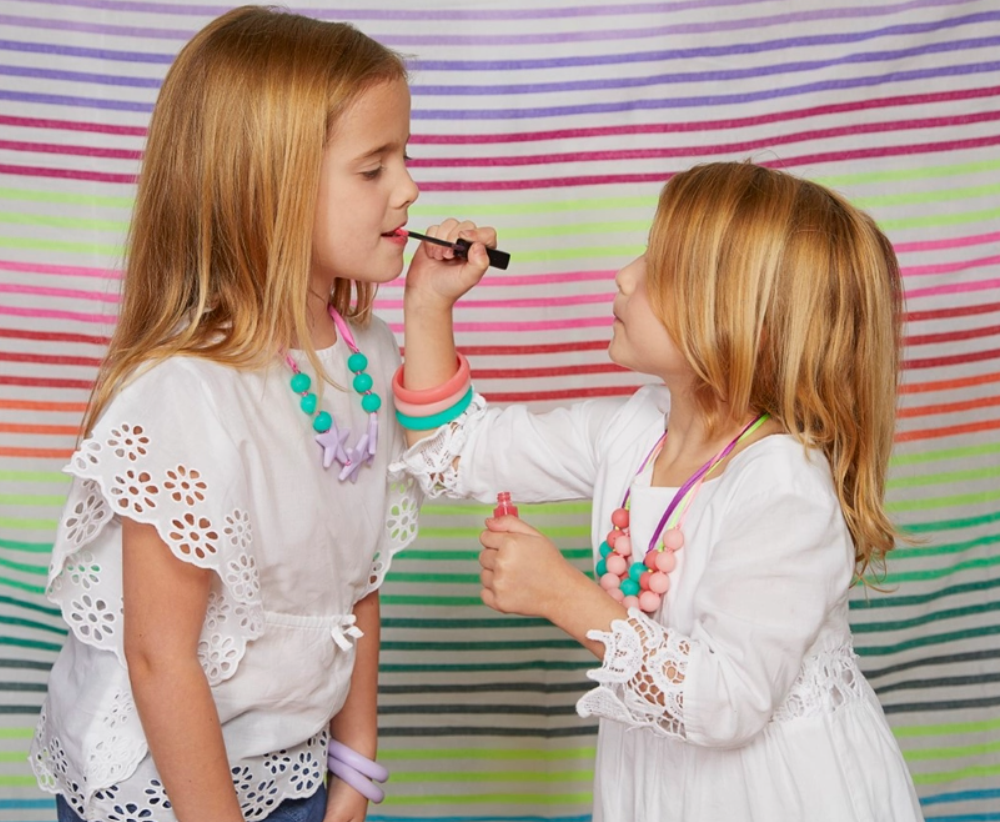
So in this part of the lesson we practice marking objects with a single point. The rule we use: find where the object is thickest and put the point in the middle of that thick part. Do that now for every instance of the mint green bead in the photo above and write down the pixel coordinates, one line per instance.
(322, 422)
(362, 383)
(604, 549)
(308, 403)
(630, 587)
(637, 570)
(602, 568)
(371, 403)
(357, 362)
(300, 383)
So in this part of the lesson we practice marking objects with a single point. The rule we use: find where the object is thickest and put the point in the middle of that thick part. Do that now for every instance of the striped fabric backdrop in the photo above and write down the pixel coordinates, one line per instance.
(556, 121)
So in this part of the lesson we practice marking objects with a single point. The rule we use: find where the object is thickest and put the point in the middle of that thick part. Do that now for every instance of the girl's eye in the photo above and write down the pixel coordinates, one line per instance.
(374, 174)
(406, 157)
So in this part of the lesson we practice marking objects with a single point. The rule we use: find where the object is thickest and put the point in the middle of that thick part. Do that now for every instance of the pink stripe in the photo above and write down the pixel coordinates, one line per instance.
(541, 302)
(73, 151)
(955, 242)
(949, 268)
(103, 319)
(546, 325)
(73, 293)
(62, 270)
(68, 174)
(956, 288)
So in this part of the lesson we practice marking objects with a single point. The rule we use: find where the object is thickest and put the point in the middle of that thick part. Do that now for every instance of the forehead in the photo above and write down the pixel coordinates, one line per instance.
(379, 117)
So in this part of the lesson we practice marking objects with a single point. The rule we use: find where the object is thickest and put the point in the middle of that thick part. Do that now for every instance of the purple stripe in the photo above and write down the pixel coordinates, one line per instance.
(631, 57)
(449, 38)
(584, 108)
(407, 14)
(672, 78)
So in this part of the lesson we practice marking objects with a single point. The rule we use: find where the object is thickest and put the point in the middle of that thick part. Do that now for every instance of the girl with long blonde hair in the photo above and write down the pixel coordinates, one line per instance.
(736, 499)
(230, 518)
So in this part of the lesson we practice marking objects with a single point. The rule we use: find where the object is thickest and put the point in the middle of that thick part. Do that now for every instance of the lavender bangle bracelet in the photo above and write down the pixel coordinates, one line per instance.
(356, 780)
(362, 764)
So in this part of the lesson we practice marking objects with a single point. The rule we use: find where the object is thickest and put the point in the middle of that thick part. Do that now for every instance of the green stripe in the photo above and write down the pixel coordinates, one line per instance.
(399, 777)
(29, 643)
(13, 756)
(414, 599)
(31, 606)
(464, 532)
(947, 753)
(530, 665)
(943, 502)
(945, 729)
(935, 220)
(922, 599)
(441, 579)
(951, 524)
(33, 547)
(40, 570)
(954, 776)
(484, 645)
(911, 198)
(24, 586)
(944, 477)
(918, 173)
(478, 753)
(65, 197)
(454, 556)
(534, 509)
(483, 798)
(19, 782)
(938, 550)
(940, 573)
(29, 524)
(30, 499)
(30, 623)
(923, 619)
(933, 639)
(60, 245)
(86, 223)
(946, 454)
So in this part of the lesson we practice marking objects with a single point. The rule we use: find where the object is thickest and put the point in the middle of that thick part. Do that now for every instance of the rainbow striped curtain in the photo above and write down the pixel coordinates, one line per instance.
(556, 121)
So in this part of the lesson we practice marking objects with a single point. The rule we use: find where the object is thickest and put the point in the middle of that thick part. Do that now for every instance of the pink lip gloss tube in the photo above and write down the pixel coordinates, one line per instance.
(504, 506)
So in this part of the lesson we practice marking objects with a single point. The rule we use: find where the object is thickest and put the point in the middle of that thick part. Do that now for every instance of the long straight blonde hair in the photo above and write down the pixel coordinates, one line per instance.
(219, 248)
(784, 298)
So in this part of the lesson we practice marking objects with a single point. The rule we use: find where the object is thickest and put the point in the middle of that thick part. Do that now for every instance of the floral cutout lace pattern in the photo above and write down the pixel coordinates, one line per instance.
(432, 460)
(400, 528)
(641, 679)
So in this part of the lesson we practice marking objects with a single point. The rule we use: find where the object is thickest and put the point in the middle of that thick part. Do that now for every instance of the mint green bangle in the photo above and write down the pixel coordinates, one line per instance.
(436, 420)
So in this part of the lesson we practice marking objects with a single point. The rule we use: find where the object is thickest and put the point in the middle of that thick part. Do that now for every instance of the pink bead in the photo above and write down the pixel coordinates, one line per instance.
(623, 545)
(665, 561)
(673, 540)
(616, 564)
(644, 580)
(649, 602)
(659, 582)
(619, 518)
(609, 581)
(650, 560)
(616, 594)
(631, 602)
(612, 537)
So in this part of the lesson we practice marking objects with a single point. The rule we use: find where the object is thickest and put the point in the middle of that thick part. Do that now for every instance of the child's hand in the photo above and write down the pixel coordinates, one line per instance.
(437, 276)
(343, 803)
(523, 571)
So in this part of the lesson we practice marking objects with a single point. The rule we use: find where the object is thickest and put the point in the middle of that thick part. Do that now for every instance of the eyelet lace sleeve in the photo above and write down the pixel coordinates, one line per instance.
(433, 461)
(641, 679)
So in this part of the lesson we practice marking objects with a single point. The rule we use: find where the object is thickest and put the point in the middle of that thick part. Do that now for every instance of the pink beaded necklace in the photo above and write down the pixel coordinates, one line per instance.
(643, 584)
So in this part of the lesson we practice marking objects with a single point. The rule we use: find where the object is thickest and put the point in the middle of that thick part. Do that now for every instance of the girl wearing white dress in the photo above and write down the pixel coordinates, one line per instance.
(230, 518)
(735, 502)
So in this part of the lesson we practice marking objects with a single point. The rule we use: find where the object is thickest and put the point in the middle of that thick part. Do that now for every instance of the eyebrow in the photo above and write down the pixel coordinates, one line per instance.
(381, 150)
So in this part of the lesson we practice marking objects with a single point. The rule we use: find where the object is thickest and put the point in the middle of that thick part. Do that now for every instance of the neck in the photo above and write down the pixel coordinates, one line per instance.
(322, 329)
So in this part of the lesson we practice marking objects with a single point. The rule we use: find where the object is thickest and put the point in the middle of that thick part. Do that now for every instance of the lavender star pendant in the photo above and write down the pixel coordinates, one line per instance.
(332, 443)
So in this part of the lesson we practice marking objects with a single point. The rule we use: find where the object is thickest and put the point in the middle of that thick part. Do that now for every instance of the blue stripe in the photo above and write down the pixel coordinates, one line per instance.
(960, 796)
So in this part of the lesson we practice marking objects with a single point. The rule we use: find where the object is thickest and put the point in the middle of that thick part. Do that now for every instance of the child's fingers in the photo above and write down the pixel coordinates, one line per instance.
(488, 558)
(510, 525)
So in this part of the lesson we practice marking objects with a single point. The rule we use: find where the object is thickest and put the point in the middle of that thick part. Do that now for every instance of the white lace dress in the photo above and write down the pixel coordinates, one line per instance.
(224, 464)
(741, 699)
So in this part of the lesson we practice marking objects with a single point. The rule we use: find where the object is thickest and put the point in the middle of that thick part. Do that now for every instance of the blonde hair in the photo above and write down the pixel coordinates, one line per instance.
(219, 248)
(786, 299)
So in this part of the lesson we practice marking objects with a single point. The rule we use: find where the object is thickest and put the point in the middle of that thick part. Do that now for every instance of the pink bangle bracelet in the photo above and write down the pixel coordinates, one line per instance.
(429, 395)
(358, 781)
(426, 410)
(362, 764)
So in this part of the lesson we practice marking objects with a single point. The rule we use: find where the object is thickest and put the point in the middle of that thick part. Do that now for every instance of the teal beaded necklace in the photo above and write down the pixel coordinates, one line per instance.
(329, 437)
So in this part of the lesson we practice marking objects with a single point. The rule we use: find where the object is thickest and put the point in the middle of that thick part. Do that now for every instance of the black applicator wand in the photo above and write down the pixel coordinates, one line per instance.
(498, 259)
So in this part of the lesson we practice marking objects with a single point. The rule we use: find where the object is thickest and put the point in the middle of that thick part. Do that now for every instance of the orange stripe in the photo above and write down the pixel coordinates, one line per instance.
(950, 431)
(942, 385)
(51, 430)
(948, 407)
(43, 453)
(34, 405)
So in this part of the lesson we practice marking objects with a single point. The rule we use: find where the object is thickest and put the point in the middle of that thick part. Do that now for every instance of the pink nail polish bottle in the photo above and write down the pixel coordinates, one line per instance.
(504, 506)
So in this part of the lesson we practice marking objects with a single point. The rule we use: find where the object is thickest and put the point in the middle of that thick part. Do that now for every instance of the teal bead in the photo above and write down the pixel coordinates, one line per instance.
(630, 587)
(322, 422)
(301, 383)
(602, 568)
(636, 571)
(604, 549)
(357, 362)
(308, 403)
(371, 403)
(362, 383)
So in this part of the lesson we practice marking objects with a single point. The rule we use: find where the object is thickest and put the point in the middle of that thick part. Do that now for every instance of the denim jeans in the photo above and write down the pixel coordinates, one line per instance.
(309, 809)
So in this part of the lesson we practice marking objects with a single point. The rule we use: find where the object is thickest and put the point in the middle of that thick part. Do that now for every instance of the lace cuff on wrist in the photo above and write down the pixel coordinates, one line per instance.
(641, 679)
